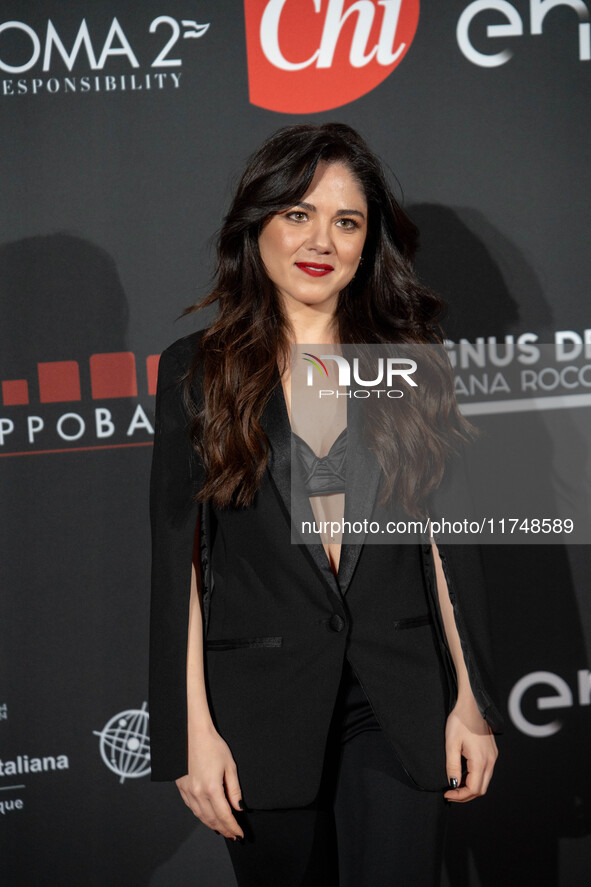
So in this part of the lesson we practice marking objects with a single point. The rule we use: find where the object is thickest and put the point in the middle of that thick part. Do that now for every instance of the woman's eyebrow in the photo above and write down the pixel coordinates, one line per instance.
(339, 212)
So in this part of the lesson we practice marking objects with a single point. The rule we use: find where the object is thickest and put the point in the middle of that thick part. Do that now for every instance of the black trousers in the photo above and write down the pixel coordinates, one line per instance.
(368, 827)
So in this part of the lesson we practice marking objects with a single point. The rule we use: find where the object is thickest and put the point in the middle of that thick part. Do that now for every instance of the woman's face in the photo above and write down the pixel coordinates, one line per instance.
(312, 250)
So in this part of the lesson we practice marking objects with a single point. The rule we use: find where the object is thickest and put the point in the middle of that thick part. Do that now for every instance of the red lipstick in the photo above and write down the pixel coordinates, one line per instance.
(314, 269)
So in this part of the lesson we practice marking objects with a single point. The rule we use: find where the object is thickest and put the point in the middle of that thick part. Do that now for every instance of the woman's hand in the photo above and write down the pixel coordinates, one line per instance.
(468, 734)
(211, 768)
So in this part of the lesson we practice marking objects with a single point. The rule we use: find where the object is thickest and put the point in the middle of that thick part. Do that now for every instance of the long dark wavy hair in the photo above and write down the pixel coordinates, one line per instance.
(384, 303)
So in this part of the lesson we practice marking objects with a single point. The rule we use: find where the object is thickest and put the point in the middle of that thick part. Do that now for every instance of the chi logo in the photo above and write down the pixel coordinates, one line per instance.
(125, 744)
(312, 55)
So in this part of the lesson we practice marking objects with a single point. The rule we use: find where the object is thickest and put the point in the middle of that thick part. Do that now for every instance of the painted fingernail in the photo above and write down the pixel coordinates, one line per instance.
(453, 782)
(240, 804)
(216, 831)
(447, 802)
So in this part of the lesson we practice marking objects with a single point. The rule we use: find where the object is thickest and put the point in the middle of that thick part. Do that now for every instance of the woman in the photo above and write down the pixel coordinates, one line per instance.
(312, 702)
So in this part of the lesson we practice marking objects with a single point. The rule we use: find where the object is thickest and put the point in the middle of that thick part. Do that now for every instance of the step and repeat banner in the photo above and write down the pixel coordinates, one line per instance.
(124, 128)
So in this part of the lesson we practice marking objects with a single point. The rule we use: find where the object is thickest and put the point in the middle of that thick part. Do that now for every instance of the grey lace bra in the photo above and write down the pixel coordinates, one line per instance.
(323, 474)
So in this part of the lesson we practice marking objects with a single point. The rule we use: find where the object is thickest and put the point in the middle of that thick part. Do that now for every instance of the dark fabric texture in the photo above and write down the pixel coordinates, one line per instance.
(369, 826)
(323, 474)
(175, 477)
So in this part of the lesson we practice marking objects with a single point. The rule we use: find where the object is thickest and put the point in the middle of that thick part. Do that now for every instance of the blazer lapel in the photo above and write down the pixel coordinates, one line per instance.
(362, 480)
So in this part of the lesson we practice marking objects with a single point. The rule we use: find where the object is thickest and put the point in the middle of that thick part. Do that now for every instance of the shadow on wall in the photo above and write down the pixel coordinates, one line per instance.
(489, 288)
(73, 289)
(64, 299)
(540, 794)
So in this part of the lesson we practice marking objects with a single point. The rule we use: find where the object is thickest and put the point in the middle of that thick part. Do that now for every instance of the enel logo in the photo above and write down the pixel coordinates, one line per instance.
(306, 56)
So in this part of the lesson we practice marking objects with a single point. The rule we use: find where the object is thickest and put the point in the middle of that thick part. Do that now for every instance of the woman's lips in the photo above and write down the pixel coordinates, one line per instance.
(314, 269)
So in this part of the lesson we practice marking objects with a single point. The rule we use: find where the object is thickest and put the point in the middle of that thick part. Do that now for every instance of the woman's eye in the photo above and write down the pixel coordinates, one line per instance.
(348, 224)
(297, 216)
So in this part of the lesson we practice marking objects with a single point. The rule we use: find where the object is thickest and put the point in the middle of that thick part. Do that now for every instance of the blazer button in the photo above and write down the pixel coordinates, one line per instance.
(336, 622)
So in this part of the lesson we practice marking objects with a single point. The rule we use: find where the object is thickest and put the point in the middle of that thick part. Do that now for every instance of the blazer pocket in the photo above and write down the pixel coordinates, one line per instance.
(413, 621)
(238, 643)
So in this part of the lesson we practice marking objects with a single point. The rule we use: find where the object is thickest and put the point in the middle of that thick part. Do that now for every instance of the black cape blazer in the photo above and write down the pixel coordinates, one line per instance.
(278, 623)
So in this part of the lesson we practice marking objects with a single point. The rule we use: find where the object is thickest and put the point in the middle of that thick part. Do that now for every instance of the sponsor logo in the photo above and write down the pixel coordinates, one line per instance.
(519, 374)
(24, 765)
(507, 23)
(11, 805)
(106, 407)
(104, 59)
(125, 745)
(563, 697)
(306, 56)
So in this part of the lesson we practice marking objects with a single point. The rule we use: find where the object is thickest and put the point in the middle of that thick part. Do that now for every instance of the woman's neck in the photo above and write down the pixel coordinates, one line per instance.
(318, 330)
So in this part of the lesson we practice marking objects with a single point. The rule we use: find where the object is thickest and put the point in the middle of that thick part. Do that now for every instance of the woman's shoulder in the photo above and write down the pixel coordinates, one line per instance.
(183, 350)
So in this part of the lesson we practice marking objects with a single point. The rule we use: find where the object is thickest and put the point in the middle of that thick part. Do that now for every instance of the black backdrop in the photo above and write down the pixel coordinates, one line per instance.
(115, 174)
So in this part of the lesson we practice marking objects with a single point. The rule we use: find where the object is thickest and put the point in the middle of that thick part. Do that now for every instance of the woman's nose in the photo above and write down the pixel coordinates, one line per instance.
(320, 238)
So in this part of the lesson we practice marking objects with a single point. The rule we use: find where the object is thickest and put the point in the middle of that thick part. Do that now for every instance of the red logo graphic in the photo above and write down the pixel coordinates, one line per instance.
(87, 422)
(306, 56)
(111, 375)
